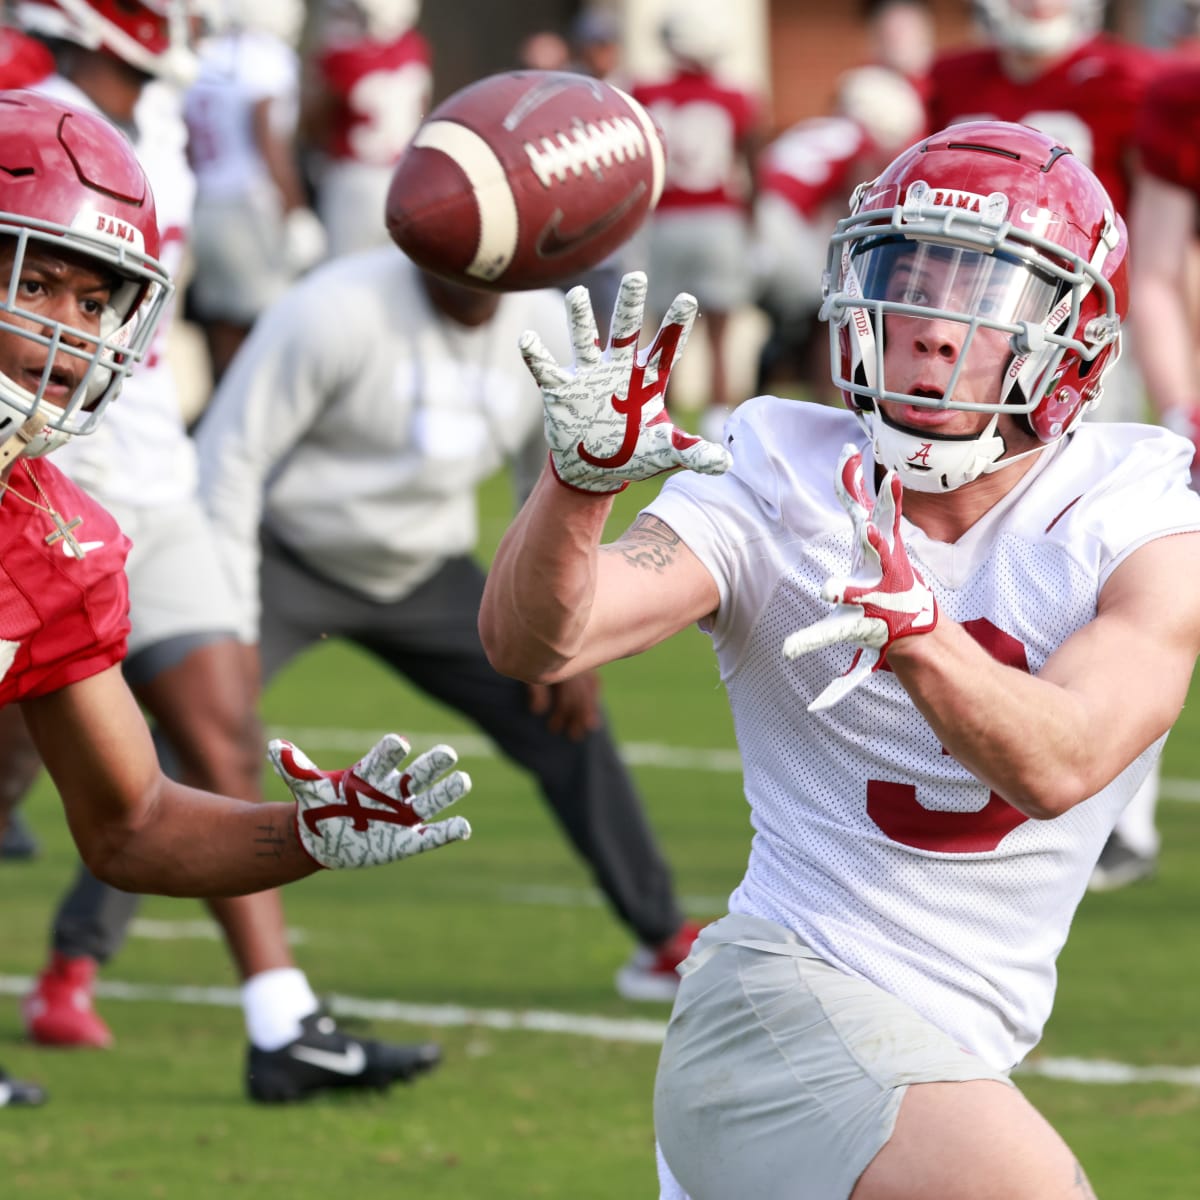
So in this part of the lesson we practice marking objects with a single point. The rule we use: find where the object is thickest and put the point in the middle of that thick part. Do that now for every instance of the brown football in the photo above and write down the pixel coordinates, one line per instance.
(525, 180)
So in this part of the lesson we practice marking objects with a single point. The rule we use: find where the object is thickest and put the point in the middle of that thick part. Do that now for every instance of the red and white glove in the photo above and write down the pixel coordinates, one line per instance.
(605, 417)
(372, 812)
(884, 599)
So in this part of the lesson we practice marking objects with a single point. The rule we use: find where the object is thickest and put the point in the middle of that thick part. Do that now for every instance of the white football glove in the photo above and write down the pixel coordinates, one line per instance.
(605, 417)
(372, 813)
(883, 600)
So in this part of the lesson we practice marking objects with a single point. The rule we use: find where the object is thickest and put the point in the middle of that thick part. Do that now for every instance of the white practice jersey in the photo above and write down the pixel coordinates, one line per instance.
(873, 844)
(237, 71)
(140, 454)
(355, 424)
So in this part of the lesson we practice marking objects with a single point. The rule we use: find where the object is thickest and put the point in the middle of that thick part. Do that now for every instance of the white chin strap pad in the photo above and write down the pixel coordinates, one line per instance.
(930, 464)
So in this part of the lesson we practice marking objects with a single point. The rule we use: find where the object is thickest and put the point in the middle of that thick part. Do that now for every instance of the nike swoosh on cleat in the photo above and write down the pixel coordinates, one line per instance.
(350, 1061)
(553, 244)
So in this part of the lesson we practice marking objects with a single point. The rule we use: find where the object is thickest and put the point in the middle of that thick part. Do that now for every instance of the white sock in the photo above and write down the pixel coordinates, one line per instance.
(274, 1003)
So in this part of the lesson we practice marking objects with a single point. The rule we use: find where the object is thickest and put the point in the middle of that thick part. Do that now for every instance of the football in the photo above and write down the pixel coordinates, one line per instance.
(525, 180)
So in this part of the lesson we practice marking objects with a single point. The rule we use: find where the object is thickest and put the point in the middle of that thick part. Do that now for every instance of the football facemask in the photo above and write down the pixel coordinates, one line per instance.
(1004, 302)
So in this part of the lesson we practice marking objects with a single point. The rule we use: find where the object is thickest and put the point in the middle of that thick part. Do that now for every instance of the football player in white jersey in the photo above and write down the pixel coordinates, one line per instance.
(253, 230)
(923, 610)
(127, 61)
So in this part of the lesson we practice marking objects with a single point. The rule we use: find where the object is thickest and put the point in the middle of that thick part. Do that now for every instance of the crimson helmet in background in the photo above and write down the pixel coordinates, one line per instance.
(70, 181)
(155, 37)
(1005, 24)
(1026, 241)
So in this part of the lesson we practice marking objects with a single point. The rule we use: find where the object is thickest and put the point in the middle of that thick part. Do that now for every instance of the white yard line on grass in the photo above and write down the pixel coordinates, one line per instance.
(607, 1029)
(636, 754)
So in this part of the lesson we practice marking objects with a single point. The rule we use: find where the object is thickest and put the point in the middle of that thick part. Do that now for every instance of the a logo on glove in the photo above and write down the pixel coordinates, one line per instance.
(639, 396)
(351, 787)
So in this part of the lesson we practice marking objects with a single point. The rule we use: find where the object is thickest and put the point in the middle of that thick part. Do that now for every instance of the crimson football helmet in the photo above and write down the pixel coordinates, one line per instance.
(1002, 230)
(1005, 23)
(71, 183)
(154, 36)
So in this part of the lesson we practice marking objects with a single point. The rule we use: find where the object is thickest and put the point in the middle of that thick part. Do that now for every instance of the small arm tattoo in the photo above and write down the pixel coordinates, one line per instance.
(270, 842)
(648, 543)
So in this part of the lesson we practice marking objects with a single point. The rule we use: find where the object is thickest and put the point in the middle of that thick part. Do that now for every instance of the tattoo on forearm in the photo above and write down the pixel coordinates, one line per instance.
(648, 543)
(270, 842)
(1081, 1184)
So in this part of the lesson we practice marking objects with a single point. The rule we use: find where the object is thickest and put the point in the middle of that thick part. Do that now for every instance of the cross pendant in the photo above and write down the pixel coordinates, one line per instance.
(62, 533)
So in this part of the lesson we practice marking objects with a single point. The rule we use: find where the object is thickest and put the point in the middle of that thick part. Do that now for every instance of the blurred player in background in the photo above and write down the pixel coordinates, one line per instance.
(901, 37)
(1048, 65)
(366, 88)
(935, 710)
(128, 62)
(544, 50)
(253, 230)
(1164, 220)
(23, 60)
(698, 238)
(596, 46)
(82, 296)
(339, 462)
(805, 178)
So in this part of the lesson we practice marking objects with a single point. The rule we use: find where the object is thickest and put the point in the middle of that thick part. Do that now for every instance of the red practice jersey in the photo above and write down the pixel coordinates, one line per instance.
(381, 92)
(1168, 127)
(1088, 100)
(23, 60)
(813, 164)
(62, 618)
(706, 123)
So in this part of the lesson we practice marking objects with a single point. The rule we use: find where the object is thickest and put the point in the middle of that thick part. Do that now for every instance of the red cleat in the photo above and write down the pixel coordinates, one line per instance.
(651, 973)
(59, 1012)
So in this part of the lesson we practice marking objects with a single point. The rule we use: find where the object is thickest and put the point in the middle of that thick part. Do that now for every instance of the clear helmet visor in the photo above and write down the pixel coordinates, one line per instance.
(961, 317)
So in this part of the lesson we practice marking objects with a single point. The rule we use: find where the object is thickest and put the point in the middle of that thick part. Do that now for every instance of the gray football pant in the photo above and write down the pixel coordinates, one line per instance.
(431, 638)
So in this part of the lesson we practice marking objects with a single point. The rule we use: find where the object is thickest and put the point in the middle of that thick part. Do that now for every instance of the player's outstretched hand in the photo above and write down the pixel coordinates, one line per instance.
(605, 419)
(373, 812)
(883, 600)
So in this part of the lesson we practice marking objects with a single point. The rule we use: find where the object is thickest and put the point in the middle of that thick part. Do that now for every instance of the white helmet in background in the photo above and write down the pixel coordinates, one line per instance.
(696, 34)
(153, 36)
(1006, 23)
(883, 104)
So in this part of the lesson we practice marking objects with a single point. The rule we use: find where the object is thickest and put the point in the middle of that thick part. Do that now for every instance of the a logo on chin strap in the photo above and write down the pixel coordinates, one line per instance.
(920, 457)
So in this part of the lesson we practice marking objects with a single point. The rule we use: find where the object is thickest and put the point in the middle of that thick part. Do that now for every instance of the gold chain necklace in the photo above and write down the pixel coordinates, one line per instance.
(63, 529)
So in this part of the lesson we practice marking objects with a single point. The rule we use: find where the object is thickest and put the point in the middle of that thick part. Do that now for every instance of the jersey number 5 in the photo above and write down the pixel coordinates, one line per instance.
(895, 808)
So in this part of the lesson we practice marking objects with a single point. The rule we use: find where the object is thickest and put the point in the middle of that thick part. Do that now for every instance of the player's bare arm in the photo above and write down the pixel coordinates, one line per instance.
(143, 832)
(127, 817)
(558, 602)
(1049, 741)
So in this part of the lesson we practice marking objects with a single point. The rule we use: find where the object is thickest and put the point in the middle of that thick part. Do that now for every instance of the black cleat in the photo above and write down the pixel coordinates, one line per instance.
(15, 1094)
(17, 843)
(323, 1058)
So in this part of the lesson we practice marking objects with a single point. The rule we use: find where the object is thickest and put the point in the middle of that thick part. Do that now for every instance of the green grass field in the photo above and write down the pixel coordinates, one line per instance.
(506, 925)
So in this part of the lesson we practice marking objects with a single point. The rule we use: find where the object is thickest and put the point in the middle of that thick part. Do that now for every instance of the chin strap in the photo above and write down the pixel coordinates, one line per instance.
(15, 444)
